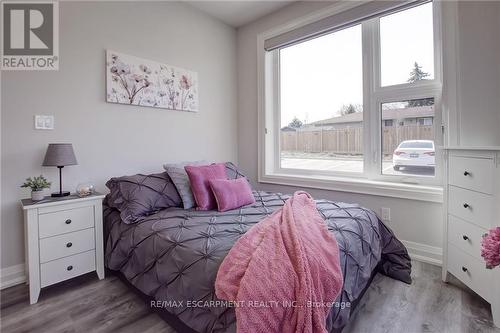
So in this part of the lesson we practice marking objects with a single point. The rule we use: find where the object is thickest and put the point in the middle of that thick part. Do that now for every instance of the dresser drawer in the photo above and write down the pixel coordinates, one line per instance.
(470, 271)
(466, 236)
(472, 173)
(64, 221)
(471, 206)
(67, 244)
(66, 268)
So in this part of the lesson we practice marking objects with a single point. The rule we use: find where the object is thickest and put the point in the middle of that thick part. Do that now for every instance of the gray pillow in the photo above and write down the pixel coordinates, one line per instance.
(181, 180)
(233, 172)
(140, 195)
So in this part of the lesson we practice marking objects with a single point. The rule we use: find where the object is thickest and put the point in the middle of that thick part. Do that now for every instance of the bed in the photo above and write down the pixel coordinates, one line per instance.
(171, 257)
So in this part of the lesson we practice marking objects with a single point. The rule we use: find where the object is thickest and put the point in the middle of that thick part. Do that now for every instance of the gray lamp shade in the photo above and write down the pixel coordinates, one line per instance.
(59, 154)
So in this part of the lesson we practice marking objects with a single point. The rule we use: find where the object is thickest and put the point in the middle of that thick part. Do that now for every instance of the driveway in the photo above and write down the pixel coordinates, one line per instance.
(348, 165)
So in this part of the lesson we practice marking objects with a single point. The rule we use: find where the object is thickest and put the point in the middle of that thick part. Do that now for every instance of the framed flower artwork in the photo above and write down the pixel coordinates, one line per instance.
(136, 81)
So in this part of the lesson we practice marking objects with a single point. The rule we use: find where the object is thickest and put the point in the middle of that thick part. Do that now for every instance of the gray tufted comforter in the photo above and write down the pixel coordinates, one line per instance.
(174, 255)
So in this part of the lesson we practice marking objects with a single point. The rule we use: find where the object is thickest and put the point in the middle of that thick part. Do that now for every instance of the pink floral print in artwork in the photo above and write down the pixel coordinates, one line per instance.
(136, 81)
(490, 248)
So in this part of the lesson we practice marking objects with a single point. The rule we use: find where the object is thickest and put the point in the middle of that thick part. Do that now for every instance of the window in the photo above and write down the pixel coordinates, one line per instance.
(406, 46)
(408, 149)
(425, 121)
(323, 101)
(362, 100)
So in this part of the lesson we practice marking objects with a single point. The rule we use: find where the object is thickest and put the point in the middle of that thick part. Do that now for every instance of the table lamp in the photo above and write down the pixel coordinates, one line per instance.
(59, 155)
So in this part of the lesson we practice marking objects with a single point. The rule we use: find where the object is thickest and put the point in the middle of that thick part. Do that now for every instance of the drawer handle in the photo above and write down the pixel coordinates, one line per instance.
(466, 205)
(464, 269)
(69, 268)
(71, 244)
(465, 237)
(68, 221)
(466, 173)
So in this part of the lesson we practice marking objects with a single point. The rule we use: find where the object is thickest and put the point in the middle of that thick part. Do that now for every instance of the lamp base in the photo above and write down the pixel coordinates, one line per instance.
(59, 194)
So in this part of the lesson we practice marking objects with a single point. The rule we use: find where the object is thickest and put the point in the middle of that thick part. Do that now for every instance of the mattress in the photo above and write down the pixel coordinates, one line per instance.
(173, 256)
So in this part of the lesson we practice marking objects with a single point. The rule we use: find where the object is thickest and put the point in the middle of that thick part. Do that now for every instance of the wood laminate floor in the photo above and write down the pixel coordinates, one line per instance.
(86, 304)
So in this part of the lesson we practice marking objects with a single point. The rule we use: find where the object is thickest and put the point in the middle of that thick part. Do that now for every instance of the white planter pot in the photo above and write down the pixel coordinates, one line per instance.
(37, 195)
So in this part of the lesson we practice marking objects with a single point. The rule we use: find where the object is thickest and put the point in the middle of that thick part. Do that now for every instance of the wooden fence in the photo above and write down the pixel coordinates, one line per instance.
(350, 140)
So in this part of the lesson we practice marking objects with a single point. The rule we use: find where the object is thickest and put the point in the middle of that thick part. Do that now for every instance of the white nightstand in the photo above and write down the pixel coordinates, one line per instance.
(63, 239)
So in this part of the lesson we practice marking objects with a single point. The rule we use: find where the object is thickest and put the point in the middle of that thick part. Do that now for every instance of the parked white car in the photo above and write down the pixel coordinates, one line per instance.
(414, 153)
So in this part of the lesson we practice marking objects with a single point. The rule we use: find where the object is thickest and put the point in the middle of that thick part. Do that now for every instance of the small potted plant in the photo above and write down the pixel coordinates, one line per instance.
(37, 184)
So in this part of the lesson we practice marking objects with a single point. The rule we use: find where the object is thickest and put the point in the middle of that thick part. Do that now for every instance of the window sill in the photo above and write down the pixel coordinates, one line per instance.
(355, 185)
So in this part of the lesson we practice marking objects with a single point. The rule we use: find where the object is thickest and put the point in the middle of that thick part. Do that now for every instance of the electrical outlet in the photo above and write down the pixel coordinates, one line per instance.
(386, 213)
(44, 122)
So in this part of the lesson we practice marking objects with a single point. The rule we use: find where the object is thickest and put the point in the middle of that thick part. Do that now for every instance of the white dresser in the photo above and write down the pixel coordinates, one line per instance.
(63, 239)
(472, 207)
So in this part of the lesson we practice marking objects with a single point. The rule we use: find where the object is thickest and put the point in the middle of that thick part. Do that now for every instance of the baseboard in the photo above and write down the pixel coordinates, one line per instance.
(424, 253)
(12, 275)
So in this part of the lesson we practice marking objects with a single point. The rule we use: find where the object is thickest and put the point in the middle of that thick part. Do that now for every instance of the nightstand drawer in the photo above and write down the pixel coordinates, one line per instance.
(470, 271)
(466, 236)
(64, 221)
(472, 173)
(66, 268)
(471, 206)
(66, 245)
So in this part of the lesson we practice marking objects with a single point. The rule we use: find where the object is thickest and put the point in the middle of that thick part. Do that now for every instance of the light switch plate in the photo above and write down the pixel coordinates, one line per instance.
(44, 122)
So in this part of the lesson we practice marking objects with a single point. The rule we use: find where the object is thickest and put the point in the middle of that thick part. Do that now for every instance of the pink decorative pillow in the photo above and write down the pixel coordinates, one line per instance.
(199, 175)
(231, 193)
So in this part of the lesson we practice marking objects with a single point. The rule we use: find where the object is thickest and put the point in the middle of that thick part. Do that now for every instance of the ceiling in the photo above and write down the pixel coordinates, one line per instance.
(238, 13)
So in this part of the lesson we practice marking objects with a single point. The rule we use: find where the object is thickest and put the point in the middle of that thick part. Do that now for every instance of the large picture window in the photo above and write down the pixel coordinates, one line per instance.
(322, 103)
(361, 100)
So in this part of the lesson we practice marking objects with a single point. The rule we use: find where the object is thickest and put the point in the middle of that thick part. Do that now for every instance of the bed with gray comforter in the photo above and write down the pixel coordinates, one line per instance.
(173, 256)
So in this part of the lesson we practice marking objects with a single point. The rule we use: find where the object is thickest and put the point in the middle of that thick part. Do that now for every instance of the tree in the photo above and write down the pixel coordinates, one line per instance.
(420, 102)
(350, 108)
(417, 73)
(295, 123)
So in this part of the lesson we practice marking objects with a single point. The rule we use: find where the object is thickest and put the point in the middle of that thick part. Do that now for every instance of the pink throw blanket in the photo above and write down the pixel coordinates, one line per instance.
(284, 273)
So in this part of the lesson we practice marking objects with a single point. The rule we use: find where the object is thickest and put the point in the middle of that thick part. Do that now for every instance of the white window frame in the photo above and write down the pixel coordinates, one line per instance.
(371, 181)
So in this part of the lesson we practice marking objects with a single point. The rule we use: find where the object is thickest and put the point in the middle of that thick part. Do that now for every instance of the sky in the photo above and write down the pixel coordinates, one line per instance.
(319, 76)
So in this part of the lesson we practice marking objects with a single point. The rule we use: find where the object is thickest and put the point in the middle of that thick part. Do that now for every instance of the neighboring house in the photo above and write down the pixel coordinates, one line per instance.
(422, 115)
(288, 129)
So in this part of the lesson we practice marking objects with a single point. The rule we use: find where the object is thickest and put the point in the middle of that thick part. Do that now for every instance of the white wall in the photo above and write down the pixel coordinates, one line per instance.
(111, 139)
(479, 73)
(416, 222)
